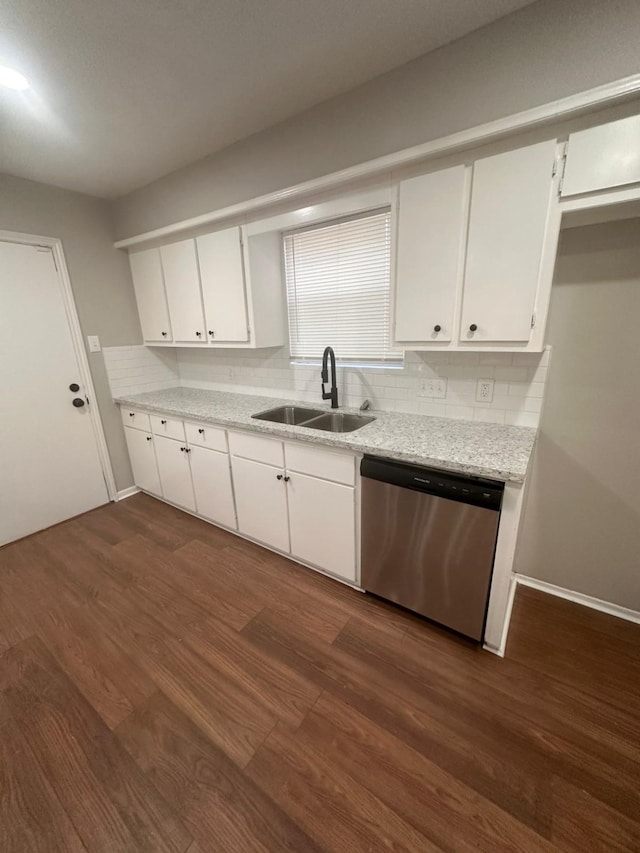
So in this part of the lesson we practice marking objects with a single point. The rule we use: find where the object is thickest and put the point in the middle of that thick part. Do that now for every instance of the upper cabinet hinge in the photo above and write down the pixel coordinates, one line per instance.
(561, 164)
(533, 320)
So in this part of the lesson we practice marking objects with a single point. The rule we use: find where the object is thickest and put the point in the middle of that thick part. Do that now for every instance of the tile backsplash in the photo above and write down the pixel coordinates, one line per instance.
(519, 379)
(132, 370)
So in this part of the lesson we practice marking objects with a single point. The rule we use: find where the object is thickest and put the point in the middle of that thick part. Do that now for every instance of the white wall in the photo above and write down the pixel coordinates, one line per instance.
(100, 280)
(582, 518)
(545, 51)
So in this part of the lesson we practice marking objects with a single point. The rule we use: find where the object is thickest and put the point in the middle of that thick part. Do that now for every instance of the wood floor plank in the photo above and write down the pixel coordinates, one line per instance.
(263, 678)
(598, 761)
(220, 707)
(339, 814)
(108, 524)
(566, 642)
(83, 666)
(451, 815)
(268, 576)
(497, 769)
(190, 579)
(221, 806)
(582, 822)
(110, 802)
(167, 686)
(269, 582)
(28, 587)
(31, 817)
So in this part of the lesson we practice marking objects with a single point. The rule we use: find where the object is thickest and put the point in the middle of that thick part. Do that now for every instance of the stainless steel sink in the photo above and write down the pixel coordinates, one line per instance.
(288, 415)
(338, 422)
(314, 418)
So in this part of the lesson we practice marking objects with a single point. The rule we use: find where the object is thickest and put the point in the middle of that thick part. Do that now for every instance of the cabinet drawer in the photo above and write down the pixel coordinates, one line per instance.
(267, 450)
(319, 462)
(203, 435)
(133, 418)
(170, 427)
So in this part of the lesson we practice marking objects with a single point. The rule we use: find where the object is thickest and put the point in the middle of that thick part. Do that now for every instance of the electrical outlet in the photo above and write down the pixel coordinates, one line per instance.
(94, 343)
(434, 388)
(484, 390)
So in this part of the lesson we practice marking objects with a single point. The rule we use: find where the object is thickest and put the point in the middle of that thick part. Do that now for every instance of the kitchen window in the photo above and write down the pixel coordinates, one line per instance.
(338, 277)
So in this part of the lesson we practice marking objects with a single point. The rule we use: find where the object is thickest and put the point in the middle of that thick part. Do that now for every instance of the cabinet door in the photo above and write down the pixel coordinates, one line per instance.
(322, 521)
(175, 474)
(261, 502)
(148, 282)
(603, 157)
(431, 229)
(510, 203)
(212, 485)
(223, 285)
(182, 281)
(142, 456)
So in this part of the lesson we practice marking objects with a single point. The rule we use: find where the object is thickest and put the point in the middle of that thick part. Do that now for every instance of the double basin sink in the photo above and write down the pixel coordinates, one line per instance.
(314, 418)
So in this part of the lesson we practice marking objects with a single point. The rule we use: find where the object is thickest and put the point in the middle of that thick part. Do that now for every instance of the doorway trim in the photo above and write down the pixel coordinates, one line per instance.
(77, 339)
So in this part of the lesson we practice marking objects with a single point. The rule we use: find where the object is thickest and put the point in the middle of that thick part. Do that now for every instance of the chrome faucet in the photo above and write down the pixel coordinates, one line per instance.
(333, 394)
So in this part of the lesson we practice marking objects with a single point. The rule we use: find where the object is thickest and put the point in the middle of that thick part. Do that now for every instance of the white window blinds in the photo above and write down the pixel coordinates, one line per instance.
(338, 289)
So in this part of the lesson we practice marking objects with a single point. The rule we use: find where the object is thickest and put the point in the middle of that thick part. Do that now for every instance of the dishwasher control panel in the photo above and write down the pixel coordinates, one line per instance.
(444, 484)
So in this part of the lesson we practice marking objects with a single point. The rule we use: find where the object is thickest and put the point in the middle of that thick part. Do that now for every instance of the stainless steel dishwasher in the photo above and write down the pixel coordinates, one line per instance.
(428, 541)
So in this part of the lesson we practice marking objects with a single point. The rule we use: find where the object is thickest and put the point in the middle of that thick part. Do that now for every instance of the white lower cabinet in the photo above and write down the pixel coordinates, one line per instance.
(302, 502)
(175, 473)
(261, 502)
(211, 477)
(322, 524)
(143, 460)
(292, 496)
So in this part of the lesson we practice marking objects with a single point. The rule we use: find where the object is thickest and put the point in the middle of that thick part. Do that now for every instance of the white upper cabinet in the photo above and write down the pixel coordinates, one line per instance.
(510, 208)
(475, 251)
(182, 283)
(148, 282)
(236, 280)
(223, 285)
(431, 226)
(603, 157)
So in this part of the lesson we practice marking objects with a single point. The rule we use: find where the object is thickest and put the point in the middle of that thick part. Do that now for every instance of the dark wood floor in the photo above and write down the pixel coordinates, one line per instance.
(165, 686)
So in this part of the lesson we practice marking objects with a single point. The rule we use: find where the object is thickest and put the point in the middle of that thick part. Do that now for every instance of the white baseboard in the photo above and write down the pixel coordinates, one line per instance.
(127, 493)
(580, 598)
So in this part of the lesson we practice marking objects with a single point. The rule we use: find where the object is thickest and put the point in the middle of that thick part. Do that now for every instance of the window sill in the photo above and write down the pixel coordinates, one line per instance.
(359, 365)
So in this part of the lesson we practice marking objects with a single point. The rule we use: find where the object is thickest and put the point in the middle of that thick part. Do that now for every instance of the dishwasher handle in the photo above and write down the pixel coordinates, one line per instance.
(443, 484)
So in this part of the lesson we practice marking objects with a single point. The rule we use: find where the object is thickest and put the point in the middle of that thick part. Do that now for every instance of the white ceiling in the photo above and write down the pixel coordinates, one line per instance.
(125, 91)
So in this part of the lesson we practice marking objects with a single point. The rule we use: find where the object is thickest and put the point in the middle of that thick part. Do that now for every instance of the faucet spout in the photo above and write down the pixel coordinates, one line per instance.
(332, 395)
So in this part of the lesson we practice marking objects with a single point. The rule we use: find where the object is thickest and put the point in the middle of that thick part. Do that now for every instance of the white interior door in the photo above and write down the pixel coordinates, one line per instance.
(49, 462)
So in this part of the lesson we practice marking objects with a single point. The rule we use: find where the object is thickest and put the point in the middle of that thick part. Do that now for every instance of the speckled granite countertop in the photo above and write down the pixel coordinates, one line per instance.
(486, 450)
